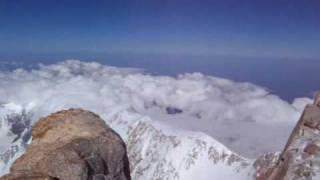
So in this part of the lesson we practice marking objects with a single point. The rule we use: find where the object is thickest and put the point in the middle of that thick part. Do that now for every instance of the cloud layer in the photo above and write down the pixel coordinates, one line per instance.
(243, 116)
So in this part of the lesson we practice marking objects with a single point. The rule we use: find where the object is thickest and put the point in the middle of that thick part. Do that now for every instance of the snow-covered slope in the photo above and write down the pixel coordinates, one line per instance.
(157, 151)
(15, 128)
(159, 117)
(154, 154)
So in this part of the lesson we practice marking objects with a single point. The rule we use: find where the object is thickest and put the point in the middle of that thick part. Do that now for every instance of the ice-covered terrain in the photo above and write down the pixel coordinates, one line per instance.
(175, 128)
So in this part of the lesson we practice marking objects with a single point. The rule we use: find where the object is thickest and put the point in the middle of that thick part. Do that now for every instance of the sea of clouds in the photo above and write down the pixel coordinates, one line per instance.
(244, 117)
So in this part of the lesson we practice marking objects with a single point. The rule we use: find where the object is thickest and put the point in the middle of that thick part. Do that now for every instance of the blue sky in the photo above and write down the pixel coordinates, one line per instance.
(273, 28)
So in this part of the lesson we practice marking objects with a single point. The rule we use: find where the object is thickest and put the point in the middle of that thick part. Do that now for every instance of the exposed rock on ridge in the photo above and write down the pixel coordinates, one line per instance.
(72, 145)
(300, 158)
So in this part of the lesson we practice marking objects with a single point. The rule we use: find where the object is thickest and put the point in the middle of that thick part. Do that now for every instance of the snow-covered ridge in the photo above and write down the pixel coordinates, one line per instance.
(239, 115)
(155, 155)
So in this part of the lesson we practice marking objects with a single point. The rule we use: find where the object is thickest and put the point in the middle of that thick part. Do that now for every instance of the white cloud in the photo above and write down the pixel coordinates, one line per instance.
(244, 117)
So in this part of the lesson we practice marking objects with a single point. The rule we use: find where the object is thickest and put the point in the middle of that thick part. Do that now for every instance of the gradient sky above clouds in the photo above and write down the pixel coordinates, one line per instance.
(277, 28)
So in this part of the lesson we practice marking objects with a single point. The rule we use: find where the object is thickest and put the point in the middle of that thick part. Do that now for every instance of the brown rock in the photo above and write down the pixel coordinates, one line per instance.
(264, 165)
(312, 149)
(297, 161)
(317, 99)
(72, 145)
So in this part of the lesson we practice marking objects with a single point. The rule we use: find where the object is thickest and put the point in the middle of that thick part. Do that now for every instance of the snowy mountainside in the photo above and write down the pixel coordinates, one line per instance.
(157, 155)
(158, 151)
(15, 129)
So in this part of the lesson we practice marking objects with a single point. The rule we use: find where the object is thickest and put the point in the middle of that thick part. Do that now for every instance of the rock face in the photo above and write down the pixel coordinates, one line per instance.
(300, 158)
(72, 145)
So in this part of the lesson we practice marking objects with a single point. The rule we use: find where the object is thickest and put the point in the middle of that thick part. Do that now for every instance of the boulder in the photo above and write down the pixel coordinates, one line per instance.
(72, 145)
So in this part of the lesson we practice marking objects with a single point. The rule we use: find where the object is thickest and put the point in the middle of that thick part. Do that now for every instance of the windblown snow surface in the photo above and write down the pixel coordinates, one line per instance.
(176, 128)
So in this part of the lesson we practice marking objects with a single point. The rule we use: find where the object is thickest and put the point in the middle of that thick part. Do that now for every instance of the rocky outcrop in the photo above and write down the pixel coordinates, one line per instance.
(72, 145)
(300, 158)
